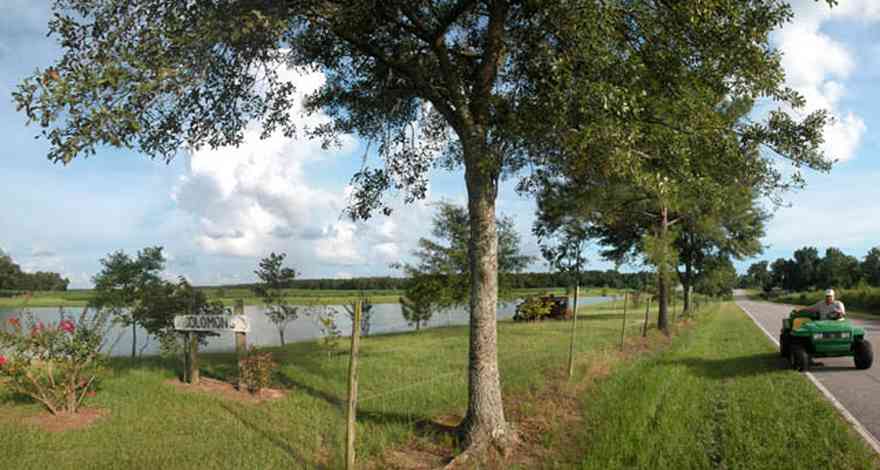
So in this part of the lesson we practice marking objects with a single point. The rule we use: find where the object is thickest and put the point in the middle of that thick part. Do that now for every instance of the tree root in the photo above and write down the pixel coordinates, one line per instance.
(479, 449)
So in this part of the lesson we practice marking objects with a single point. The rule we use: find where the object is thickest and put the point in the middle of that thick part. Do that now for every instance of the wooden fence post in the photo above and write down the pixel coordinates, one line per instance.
(352, 387)
(623, 327)
(574, 316)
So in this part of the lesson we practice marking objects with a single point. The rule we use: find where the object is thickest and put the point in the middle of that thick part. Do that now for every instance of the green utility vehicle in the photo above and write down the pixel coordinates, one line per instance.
(805, 336)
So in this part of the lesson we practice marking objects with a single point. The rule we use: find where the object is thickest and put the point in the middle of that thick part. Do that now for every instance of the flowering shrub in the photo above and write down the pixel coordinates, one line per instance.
(255, 370)
(56, 364)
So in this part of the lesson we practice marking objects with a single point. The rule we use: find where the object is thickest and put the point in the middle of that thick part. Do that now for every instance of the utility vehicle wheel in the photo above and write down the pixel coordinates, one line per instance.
(800, 359)
(864, 356)
(783, 346)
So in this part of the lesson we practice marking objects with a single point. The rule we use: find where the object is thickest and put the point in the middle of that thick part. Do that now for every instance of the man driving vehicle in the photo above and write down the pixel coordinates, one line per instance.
(828, 309)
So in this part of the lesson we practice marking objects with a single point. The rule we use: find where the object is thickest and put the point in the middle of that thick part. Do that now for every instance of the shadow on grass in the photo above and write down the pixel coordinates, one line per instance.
(270, 436)
(14, 398)
(290, 383)
(734, 367)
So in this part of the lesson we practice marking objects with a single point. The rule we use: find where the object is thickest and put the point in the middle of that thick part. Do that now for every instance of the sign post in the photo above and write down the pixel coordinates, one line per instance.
(193, 362)
(240, 336)
(192, 324)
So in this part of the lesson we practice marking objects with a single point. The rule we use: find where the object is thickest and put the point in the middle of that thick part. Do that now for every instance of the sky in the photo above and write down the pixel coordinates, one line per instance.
(216, 212)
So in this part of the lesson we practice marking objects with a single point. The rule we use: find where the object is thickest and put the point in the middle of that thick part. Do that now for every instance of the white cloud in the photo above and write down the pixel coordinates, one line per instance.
(818, 66)
(262, 197)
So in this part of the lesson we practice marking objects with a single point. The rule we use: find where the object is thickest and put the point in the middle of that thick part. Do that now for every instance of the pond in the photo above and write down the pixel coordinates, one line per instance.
(386, 318)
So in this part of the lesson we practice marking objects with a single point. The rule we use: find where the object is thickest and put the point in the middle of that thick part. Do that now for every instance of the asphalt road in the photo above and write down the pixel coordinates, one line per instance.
(857, 390)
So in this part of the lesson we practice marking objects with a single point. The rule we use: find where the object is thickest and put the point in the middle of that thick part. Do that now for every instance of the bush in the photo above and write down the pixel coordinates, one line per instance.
(854, 299)
(534, 308)
(56, 365)
(256, 370)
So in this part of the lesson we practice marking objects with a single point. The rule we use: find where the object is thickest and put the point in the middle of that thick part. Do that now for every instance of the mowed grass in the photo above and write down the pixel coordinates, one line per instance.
(404, 379)
(719, 398)
(229, 296)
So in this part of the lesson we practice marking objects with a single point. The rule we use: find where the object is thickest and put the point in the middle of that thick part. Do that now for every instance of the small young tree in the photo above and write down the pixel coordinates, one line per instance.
(274, 278)
(366, 313)
(416, 312)
(443, 263)
(163, 300)
(124, 285)
(325, 318)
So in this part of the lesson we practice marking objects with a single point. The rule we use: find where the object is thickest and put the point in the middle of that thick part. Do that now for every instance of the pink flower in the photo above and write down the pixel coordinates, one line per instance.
(2, 361)
(38, 328)
(66, 326)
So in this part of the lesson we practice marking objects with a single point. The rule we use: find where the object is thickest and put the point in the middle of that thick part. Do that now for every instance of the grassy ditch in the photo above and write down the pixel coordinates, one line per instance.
(718, 398)
(406, 380)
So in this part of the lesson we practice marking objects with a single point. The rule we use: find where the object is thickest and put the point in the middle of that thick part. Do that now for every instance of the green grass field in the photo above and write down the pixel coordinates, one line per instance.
(404, 379)
(719, 398)
(79, 298)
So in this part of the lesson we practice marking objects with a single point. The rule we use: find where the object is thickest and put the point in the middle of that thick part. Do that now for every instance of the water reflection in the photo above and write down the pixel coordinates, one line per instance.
(387, 318)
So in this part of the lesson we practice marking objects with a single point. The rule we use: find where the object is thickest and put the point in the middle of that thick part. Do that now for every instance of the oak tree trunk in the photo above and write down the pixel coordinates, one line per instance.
(484, 422)
(686, 285)
(663, 281)
(133, 339)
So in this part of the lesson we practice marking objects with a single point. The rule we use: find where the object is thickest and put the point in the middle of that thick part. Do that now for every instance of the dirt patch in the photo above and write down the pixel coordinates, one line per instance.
(66, 421)
(228, 390)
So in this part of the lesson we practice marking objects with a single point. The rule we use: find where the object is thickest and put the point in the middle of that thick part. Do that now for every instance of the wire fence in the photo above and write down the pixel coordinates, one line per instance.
(411, 379)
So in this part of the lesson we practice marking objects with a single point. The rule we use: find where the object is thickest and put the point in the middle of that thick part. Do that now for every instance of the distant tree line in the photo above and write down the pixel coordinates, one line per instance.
(529, 280)
(13, 279)
(807, 270)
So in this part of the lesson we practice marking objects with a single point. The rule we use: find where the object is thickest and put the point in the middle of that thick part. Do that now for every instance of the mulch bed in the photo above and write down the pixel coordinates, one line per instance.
(66, 421)
(228, 390)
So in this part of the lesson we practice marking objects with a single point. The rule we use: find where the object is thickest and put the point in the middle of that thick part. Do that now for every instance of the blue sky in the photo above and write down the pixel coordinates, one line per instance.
(217, 212)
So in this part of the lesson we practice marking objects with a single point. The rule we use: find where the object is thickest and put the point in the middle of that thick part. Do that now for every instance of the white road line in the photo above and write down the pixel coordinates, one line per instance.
(866, 435)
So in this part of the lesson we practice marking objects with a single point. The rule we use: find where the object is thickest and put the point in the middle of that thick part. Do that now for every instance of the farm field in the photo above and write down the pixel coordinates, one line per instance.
(79, 298)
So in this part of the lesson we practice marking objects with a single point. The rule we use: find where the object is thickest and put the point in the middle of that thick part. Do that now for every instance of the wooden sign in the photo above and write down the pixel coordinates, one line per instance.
(214, 323)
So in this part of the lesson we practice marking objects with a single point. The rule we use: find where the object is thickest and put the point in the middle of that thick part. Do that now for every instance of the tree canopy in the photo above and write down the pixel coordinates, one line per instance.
(442, 261)
(808, 270)
(125, 286)
(274, 277)
(13, 278)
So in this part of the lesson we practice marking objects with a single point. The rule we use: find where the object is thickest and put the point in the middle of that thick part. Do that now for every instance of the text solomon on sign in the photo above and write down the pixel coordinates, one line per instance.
(237, 323)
